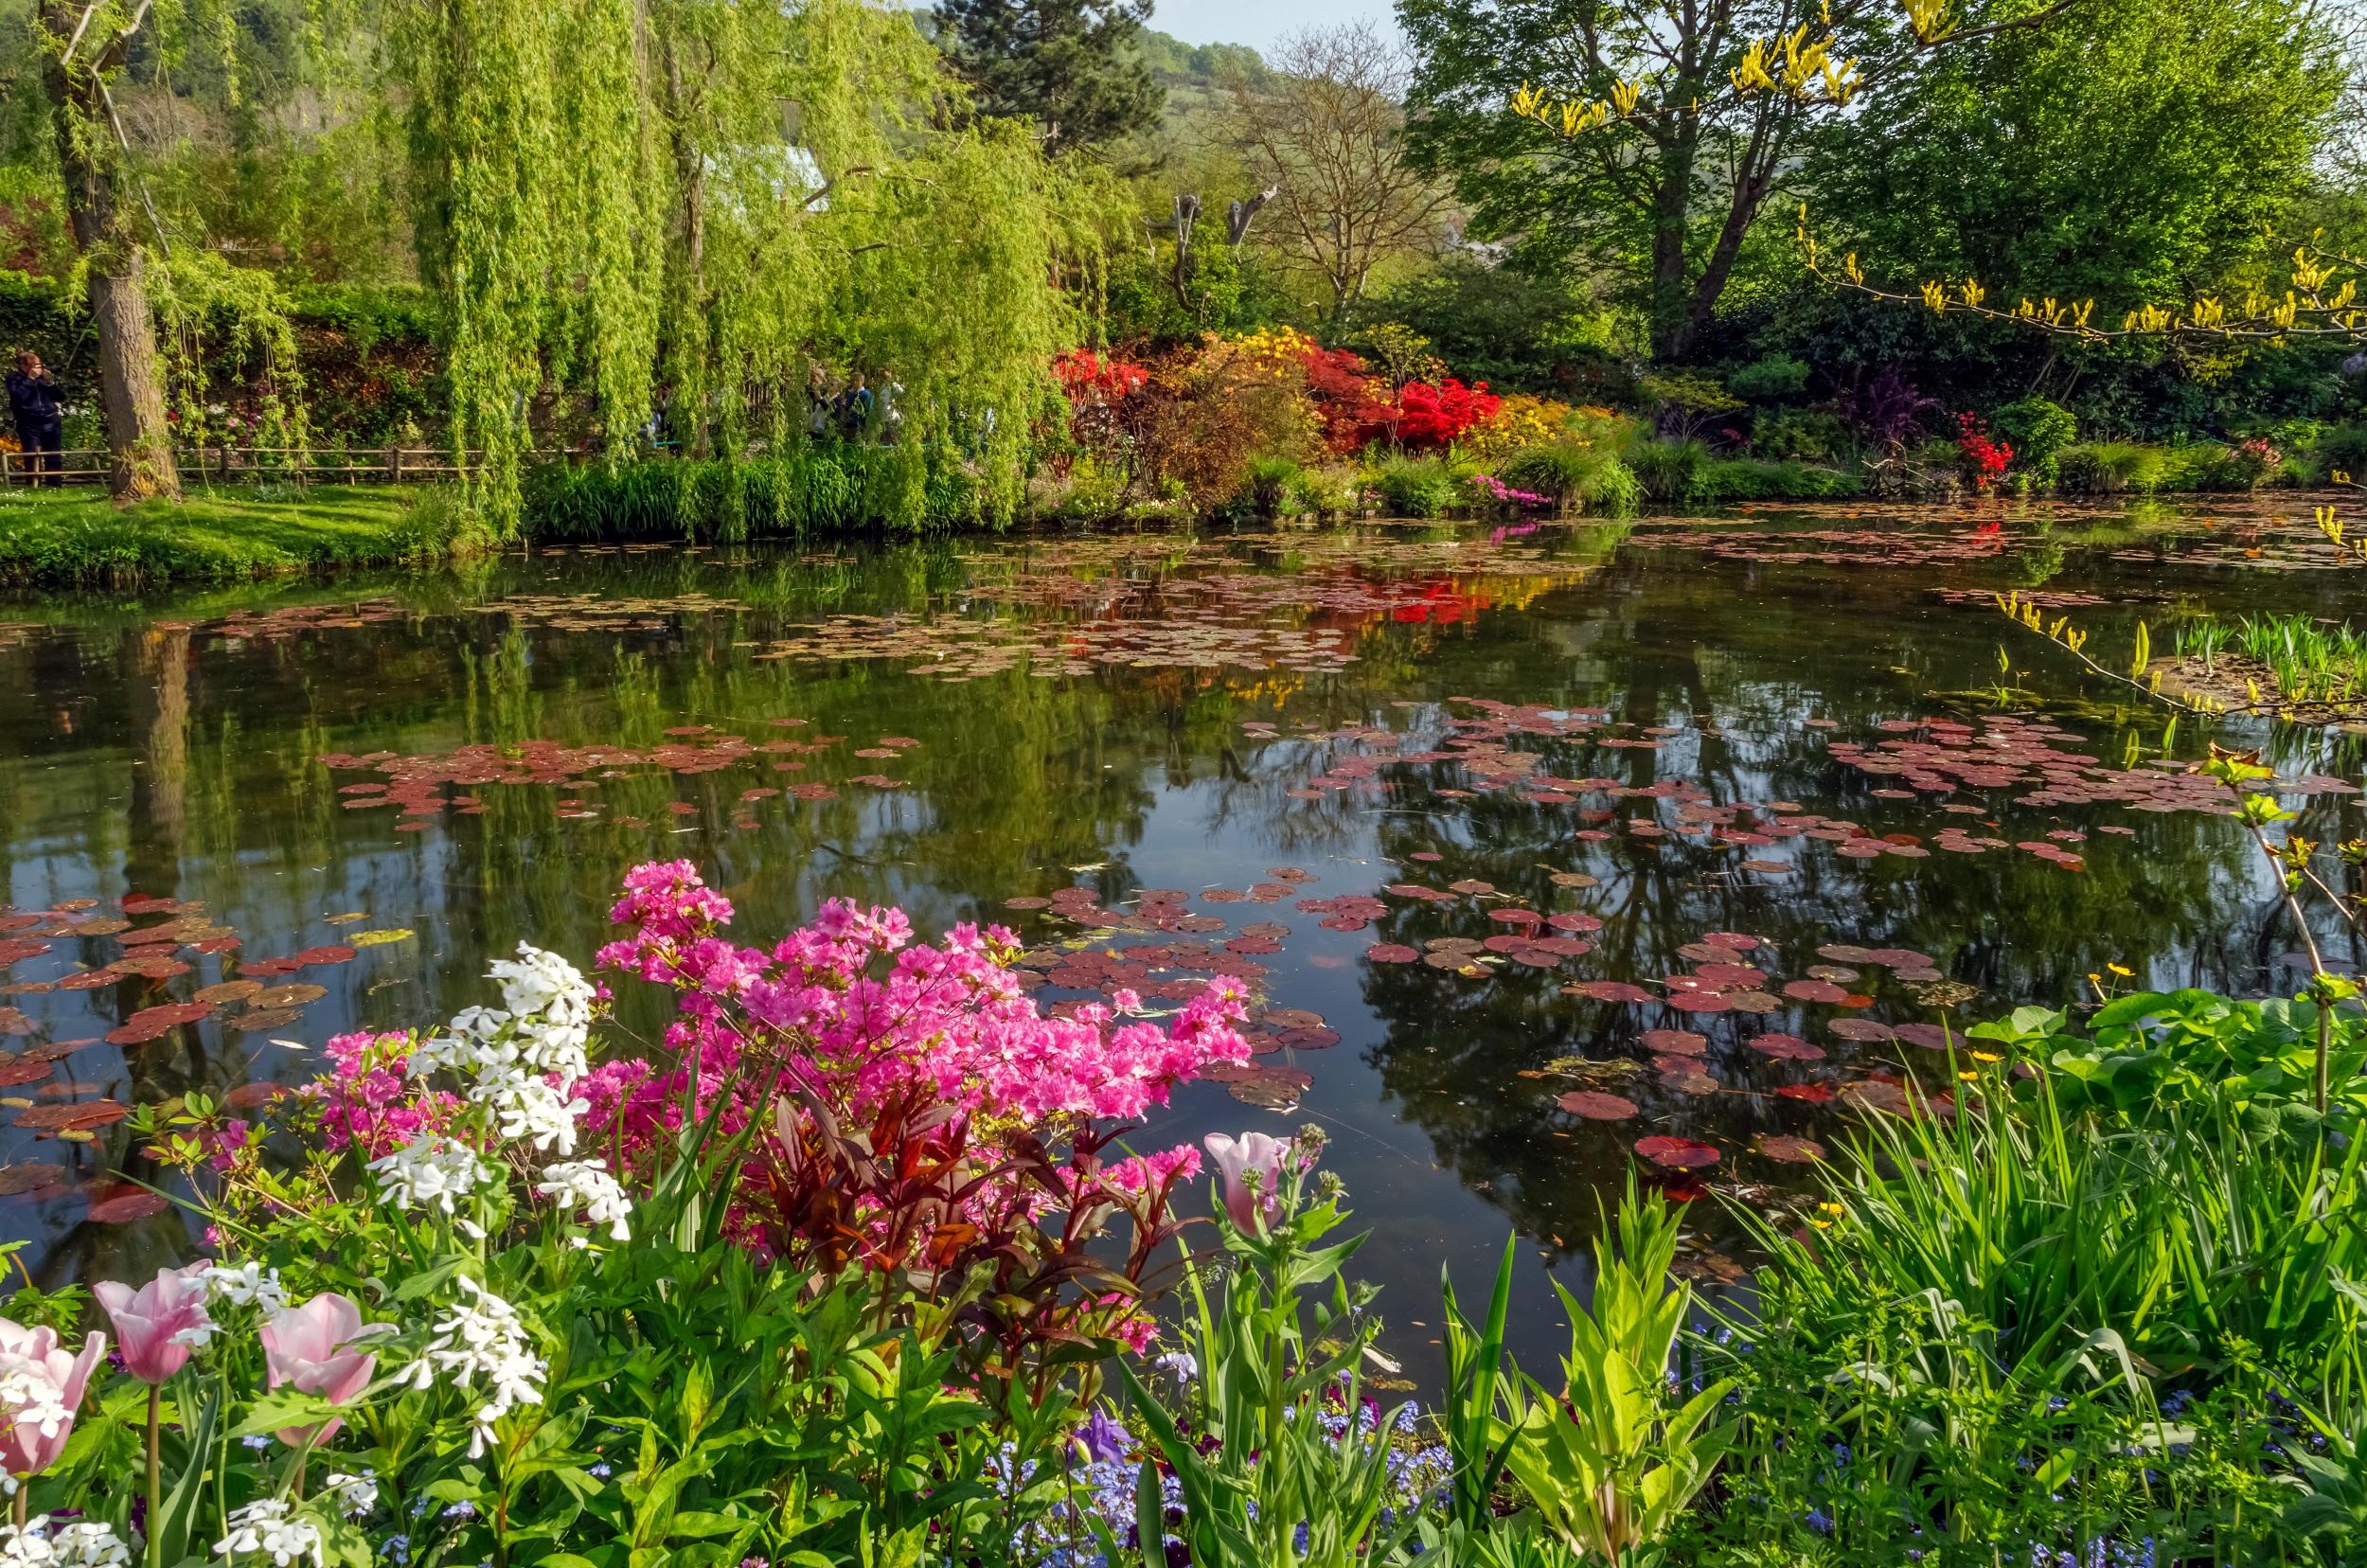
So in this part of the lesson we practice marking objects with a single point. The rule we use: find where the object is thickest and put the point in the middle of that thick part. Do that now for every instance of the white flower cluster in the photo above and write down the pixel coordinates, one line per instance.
(43, 1543)
(585, 1187)
(248, 1284)
(265, 1526)
(355, 1496)
(483, 1337)
(31, 1395)
(529, 1108)
(513, 1054)
(429, 1170)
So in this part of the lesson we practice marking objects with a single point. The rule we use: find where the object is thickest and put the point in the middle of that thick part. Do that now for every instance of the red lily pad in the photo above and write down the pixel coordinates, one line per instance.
(1791, 1151)
(1596, 1106)
(1672, 1153)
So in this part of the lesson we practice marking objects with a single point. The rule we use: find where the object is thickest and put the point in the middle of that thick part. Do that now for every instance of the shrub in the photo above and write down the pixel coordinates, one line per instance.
(1416, 487)
(1669, 470)
(1333, 491)
(1270, 481)
(1768, 378)
(2038, 431)
(1727, 480)
(1588, 478)
(2341, 449)
(824, 488)
(2113, 468)
(1800, 434)
(1520, 421)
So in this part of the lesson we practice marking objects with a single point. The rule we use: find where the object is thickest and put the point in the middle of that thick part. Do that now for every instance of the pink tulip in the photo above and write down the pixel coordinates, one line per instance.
(309, 1346)
(41, 1388)
(1255, 1152)
(154, 1323)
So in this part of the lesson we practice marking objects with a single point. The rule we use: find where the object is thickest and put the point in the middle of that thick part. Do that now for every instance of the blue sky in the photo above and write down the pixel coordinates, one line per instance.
(1260, 23)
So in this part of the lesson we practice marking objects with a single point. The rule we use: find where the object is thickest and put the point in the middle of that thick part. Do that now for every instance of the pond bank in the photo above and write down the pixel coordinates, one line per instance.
(78, 538)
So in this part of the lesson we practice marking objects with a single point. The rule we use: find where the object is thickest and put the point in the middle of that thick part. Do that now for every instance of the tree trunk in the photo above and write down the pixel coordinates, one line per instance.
(131, 380)
(1671, 203)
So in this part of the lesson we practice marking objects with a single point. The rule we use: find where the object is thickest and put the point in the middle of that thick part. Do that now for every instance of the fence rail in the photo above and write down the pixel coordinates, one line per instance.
(312, 465)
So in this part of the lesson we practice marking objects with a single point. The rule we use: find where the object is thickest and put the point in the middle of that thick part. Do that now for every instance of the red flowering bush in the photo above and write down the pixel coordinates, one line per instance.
(1349, 400)
(1427, 416)
(1089, 379)
(1985, 460)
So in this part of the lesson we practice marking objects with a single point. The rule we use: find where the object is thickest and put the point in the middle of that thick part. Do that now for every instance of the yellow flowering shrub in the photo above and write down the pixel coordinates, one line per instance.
(1521, 421)
(1278, 351)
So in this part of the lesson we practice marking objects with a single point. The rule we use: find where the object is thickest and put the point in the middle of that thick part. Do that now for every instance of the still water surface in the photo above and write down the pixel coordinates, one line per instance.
(1572, 752)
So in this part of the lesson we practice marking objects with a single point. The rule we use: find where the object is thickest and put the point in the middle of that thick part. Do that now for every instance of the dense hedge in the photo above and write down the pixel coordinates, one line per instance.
(367, 355)
(832, 488)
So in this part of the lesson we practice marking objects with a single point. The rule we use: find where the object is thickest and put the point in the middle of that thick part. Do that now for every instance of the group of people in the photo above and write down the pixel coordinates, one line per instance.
(854, 411)
(38, 406)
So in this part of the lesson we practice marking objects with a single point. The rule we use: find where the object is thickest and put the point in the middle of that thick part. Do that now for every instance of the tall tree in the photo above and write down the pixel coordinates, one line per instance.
(1325, 129)
(1066, 64)
(84, 46)
(2131, 152)
(1668, 126)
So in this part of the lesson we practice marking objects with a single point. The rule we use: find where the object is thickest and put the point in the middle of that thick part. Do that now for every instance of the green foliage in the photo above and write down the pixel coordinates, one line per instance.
(2119, 153)
(1334, 491)
(2113, 467)
(2038, 431)
(1676, 470)
(1575, 474)
(1270, 484)
(1770, 378)
(1516, 331)
(1069, 68)
(1984, 1334)
(2147, 1057)
(78, 538)
(821, 490)
(1416, 487)
(1609, 1461)
(1283, 1337)
(1731, 479)
(1802, 434)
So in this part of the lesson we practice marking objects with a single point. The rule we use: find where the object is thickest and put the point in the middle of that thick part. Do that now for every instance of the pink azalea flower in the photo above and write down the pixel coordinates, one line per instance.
(311, 1348)
(41, 1388)
(156, 1323)
(1256, 1151)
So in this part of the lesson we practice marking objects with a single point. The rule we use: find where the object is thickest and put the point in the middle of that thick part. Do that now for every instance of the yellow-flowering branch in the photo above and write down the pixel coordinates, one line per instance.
(2025, 613)
(2307, 308)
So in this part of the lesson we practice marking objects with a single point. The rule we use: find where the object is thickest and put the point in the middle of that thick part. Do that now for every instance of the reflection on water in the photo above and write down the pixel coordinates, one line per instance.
(1365, 769)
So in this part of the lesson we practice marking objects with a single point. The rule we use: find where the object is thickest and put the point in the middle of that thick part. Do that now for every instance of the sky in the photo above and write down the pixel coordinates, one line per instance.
(1260, 23)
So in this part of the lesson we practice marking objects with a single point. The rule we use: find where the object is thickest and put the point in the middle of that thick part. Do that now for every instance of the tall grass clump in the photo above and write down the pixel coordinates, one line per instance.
(1581, 476)
(2113, 468)
(1670, 471)
(816, 491)
(1416, 487)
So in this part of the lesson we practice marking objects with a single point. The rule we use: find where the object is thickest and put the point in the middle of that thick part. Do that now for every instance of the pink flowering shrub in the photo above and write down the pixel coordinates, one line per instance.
(367, 1101)
(907, 1106)
(952, 1019)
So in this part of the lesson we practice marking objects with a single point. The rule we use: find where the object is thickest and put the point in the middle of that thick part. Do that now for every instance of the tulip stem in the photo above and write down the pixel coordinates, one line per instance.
(155, 1474)
(16, 1507)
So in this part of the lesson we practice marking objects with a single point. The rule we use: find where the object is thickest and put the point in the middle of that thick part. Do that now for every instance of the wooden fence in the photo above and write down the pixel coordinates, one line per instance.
(246, 464)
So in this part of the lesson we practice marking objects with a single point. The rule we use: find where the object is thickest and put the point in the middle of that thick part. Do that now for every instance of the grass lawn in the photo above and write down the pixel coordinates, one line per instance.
(78, 538)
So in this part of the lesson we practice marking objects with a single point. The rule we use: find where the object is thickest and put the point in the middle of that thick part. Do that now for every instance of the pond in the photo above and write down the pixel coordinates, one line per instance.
(1721, 819)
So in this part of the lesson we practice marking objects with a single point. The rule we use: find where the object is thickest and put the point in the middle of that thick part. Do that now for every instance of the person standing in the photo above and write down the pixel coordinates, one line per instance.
(36, 405)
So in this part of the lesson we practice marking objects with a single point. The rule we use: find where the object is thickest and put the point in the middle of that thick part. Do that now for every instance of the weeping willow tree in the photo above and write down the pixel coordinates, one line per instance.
(706, 199)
